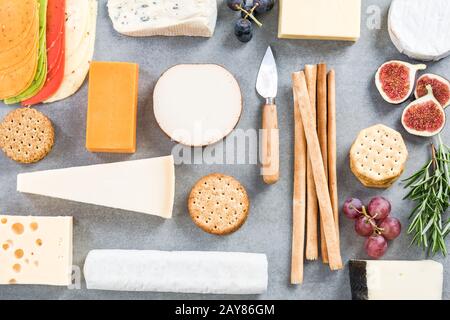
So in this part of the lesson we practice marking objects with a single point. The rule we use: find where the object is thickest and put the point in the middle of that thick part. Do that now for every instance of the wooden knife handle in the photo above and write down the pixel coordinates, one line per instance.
(270, 145)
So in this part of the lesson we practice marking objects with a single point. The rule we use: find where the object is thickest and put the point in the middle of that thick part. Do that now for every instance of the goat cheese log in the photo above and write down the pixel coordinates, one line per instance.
(420, 29)
(142, 18)
(177, 271)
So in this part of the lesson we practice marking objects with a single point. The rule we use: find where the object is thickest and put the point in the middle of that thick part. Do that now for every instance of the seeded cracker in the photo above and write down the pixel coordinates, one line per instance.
(218, 204)
(378, 156)
(26, 135)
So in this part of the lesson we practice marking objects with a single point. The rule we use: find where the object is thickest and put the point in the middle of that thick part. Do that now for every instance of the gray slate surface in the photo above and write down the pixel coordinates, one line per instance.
(268, 229)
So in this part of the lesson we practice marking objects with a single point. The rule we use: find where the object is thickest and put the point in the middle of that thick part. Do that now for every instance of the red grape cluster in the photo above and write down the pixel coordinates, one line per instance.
(374, 223)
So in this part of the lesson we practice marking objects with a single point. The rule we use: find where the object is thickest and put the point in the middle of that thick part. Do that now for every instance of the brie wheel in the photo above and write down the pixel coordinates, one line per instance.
(420, 29)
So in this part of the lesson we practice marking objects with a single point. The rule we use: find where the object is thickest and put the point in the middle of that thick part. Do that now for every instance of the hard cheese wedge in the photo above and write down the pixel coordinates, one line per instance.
(35, 250)
(80, 28)
(41, 73)
(396, 280)
(320, 19)
(112, 107)
(55, 52)
(145, 186)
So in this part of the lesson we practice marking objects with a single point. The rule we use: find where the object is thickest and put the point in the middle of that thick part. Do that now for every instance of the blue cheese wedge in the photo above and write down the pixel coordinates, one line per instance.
(396, 280)
(35, 250)
(141, 18)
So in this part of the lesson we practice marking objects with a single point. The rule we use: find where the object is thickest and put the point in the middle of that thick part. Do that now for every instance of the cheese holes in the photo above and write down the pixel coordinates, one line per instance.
(17, 267)
(34, 226)
(17, 228)
(18, 253)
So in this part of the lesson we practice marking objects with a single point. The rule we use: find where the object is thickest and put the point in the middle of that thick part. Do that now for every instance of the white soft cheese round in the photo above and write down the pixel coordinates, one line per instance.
(197, 104)
(421, 29)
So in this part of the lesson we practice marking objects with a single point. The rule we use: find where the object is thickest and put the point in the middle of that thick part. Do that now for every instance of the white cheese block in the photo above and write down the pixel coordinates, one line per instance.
(197, 104)
(184, 271)
(35, 250)
(145, 186)
(80, 27)
(420, 29)
(141, 18)
(396, 280)
(320, 19)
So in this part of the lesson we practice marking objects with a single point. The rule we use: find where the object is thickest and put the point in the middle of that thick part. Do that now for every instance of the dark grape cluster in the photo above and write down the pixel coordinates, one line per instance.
(243, 29)
(374, 223)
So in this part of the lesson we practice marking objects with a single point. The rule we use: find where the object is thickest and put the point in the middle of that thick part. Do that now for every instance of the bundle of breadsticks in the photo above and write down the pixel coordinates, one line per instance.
(315, 199)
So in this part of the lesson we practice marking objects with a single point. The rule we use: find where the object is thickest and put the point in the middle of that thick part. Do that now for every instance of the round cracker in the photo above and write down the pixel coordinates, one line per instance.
(26, 135)
(218, 204)
(378, 155)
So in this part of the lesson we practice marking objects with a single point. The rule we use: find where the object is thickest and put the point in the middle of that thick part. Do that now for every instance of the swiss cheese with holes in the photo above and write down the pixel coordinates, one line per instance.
(378, 156)
(35, 250)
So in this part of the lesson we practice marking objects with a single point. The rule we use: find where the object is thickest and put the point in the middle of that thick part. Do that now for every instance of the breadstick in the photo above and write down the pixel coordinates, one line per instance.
(332, 174)
(299, 201)
(312, 240)
(320, 179)
(322, 131)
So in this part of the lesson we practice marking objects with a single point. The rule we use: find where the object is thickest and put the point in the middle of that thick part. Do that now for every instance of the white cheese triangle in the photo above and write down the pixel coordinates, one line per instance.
(145, 186)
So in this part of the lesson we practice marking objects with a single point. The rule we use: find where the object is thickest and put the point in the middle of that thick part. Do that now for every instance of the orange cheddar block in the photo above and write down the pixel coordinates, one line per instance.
(112, 107)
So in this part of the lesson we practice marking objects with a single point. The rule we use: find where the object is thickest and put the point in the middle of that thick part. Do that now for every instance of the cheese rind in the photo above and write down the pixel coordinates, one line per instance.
(140, 18)
(320, 19)
(396, 280)
(112, 107)
(177, 271)
(145, 186)
(35, 250)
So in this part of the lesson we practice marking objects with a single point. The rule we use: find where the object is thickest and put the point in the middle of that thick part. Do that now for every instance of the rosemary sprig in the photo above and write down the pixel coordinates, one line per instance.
(430, 190)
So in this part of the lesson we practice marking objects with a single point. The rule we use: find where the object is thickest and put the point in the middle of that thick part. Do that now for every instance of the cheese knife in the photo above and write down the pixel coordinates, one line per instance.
(267, 87)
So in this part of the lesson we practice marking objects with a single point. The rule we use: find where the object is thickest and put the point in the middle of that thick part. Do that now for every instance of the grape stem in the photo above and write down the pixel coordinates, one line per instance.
(249, 14)
(376, 229)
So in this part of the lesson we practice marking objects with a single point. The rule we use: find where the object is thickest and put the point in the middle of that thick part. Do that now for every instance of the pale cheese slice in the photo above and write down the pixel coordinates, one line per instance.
(320, 19)
(140, 18)
(145, 186)
(77, 60)
(35, 250)
(206, 107)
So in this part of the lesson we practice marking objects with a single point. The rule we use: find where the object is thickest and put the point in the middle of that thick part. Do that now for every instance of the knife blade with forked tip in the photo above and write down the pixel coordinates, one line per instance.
(267, 87)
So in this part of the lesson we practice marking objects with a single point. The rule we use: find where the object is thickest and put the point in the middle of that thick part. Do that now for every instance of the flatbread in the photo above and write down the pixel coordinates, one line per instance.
(74, 75)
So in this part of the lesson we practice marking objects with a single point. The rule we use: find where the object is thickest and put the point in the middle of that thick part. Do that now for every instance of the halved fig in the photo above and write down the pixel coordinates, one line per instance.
(395, 80)
(441, 88)
(424, 117)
